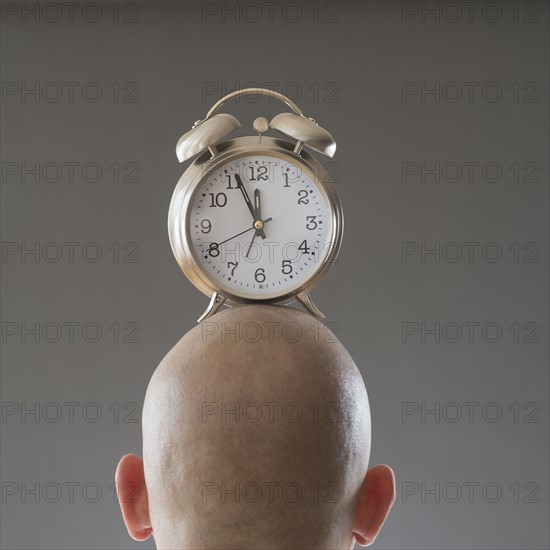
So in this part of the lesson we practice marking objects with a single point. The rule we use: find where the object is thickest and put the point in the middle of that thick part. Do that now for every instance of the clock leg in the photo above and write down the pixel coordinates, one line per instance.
(216, 302)
(305, 298)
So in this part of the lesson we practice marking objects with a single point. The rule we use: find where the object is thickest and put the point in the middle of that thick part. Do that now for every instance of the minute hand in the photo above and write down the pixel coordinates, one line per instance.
(248, 203)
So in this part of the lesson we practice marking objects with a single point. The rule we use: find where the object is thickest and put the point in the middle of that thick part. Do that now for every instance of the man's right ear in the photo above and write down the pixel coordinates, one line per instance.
(132, 496)
(376, 497)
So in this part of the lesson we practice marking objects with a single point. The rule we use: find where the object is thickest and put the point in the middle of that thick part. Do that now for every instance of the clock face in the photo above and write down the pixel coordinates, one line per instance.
(259, 226)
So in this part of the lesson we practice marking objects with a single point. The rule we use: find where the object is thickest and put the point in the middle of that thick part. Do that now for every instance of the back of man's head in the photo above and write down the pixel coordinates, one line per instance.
(256, 434)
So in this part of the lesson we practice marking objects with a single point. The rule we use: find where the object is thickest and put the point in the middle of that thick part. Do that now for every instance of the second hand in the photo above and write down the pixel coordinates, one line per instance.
(242, 233)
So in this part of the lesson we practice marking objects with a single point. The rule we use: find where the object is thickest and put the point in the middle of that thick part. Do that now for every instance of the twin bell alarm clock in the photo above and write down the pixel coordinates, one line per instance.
(255, 219)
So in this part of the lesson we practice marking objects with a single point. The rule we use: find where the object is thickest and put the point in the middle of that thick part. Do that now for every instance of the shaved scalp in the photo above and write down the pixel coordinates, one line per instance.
(256, 434)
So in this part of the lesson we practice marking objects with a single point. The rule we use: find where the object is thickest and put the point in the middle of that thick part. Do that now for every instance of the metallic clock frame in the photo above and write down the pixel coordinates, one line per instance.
(213, 155)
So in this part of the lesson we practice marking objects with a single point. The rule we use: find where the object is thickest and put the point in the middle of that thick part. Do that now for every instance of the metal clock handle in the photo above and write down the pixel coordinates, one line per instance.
(252, 91)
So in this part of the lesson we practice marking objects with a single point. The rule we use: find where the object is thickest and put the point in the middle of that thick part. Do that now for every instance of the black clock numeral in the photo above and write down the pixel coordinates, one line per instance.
(228, 178)
(259, 173)
(214, 250)
(304, 247)
(287, 267)
(234, 264)
(285, 175)
(218, 199)
(302, 197)
(259, 275)
(206, 226)
(311, 223)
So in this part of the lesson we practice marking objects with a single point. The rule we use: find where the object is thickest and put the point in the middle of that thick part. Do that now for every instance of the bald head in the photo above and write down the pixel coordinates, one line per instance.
(256, 434)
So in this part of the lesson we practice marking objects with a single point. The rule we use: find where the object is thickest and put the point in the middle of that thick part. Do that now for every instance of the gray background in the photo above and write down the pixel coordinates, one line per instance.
(359, 57)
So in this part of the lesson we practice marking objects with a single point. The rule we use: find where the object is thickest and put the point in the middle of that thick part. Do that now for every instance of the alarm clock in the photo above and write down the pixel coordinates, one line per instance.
(255, 219)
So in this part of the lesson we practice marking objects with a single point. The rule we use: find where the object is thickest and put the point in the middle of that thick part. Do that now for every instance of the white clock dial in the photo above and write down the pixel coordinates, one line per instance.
(267, 261)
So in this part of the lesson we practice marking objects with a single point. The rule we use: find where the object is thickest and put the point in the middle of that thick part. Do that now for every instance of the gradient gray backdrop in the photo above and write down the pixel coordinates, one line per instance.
(349, 63)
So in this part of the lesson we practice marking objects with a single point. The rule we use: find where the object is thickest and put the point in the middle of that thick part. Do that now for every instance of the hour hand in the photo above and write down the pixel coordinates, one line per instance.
(258, 207)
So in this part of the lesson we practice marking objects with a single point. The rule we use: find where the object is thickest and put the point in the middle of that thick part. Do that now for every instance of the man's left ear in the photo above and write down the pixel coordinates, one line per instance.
(132, 496)
(376, 497)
